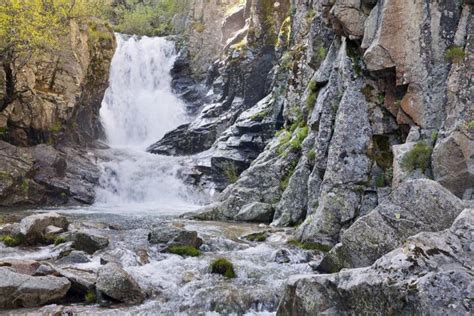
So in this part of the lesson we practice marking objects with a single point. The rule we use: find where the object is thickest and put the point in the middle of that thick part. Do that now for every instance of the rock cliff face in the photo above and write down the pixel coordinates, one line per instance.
(351, 119)
(56, 109)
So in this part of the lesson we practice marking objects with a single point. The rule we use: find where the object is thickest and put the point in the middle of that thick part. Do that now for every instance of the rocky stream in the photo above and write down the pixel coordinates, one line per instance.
(271, 157)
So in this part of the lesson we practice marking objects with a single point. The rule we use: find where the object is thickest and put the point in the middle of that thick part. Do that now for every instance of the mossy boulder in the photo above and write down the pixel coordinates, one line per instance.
(185, 251)
(223, 267)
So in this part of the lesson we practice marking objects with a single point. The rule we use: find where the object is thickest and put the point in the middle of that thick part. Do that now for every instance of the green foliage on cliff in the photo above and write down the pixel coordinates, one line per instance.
(146, 17)
(29, 27)
(418, 157)
(455, 54)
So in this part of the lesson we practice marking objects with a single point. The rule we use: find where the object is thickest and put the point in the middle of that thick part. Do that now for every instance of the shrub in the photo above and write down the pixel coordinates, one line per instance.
(454, 54)
(297, 141)
(185, 251)
(223, 267)
(417, 158)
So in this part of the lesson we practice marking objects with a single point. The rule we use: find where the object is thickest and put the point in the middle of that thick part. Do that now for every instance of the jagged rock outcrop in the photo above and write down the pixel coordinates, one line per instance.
(238, 81)
(43, 175)
(374, 115)
(413, 207)
(59, 95)
(431, 273)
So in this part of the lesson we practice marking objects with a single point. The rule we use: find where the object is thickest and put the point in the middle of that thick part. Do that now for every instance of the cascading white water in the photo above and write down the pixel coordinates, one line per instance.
(139, 106)
(138, 109)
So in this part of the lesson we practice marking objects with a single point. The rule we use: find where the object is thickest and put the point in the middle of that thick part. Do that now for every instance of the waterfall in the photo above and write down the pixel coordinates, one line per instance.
(139, 107)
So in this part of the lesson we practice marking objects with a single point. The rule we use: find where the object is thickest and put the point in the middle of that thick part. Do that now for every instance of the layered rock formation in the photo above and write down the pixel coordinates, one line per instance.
(362, 111)
(352, 120)
(56, 109)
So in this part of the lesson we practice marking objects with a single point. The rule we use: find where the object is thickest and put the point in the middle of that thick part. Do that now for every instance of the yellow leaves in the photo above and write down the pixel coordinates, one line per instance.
(28, 25)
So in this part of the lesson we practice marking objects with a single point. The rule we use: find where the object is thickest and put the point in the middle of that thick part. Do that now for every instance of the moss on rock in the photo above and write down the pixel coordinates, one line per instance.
(223, 267)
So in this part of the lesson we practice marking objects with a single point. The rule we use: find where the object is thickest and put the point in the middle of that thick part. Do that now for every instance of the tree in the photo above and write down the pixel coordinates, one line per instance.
(28, 27)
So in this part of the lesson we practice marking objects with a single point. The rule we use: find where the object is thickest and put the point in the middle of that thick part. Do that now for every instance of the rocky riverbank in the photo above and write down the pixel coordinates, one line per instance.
(99, 263)
(345, 126)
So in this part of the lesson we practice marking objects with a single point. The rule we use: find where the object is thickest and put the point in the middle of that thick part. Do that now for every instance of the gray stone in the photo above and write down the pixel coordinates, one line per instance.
(413, 207)
(430, 274)
(116, 283)
(73, 257)
(173, 236)
(21, 290)
(256, 212)
(89, 243)
(453, 163)
(34, 227)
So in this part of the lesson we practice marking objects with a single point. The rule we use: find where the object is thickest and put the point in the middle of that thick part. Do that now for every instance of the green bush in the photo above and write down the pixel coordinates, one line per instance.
(455, 54)
(185, 251)
(223, 267)
(418, 157)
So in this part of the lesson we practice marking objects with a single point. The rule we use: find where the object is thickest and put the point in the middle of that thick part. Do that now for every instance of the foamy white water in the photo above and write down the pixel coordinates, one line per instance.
(139, 106)
(138, 109)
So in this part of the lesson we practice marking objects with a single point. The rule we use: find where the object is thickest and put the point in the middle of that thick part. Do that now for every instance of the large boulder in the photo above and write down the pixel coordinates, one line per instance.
(116, 283)
(453, 163)
(430, 274)
(34, 227)
(415, 206)
(21, 290)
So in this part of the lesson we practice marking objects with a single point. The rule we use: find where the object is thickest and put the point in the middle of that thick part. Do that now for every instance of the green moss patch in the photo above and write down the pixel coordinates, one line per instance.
(223, 267)
(185, 251)
(90, 297)
(12, 241)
